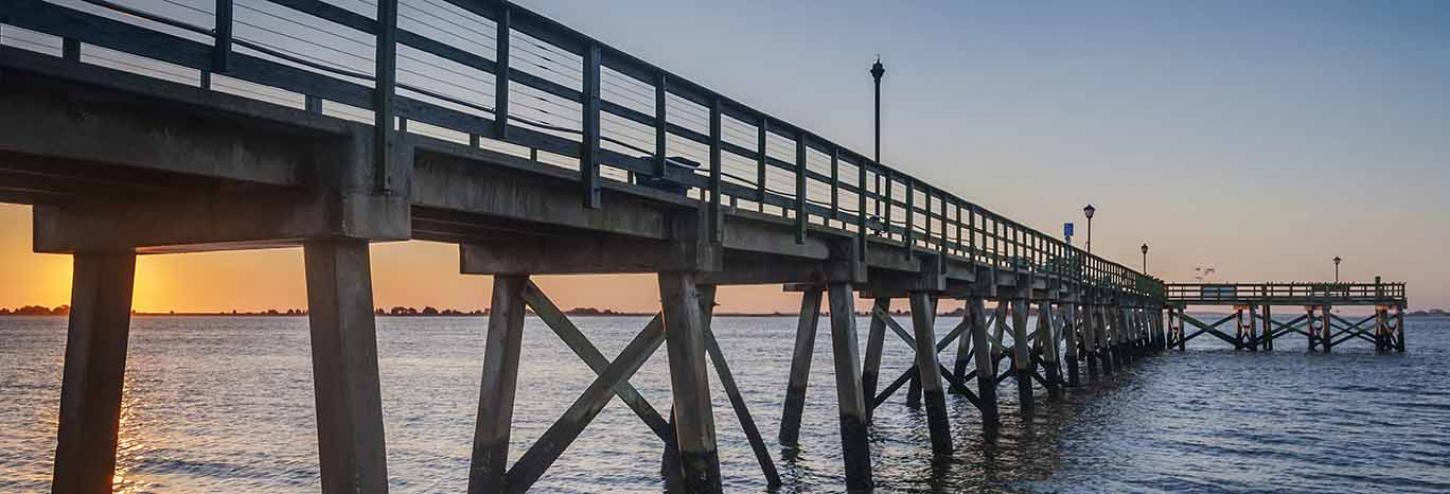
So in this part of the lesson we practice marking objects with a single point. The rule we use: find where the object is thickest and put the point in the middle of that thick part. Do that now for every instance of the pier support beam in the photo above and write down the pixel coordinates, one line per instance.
(982, 354)
(501, 349)
(875, 343)
(1070, 341)
(1400, 328)
(855, 447)
(800, 366)
(1090, 338)
(1021, 355)
(1048, 329)
(1268, 328)
(923, 318)
(94, 375)
(345, 366)
(689, 382)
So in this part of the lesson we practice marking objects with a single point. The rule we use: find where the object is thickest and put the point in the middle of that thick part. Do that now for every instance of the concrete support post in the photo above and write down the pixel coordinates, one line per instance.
(1090, 338)
(94, 375)
(963, 359)
(1400, 328)
(1257, 329)
(1105, 334)
(875, 343)
(982, 353)
(800, 366)
(501, 351)
(1178, 327)
(1070, 341)
(1268, 328)
(1047, 331)
(1326, 339)
(345, 366)
(690, 382)
(913, 392)
(923, 319)
(1021, 357)
(1311, 326)
(855, 447)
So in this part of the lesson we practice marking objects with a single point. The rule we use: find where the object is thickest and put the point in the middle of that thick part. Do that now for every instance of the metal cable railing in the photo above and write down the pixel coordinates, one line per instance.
(550, 87)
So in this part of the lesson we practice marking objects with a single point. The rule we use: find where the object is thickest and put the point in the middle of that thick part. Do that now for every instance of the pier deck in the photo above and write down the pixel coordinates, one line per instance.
(539, 151)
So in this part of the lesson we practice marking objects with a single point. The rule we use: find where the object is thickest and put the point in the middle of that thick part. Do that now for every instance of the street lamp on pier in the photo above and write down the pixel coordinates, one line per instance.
(1088, 211)
(1145, 258)
(1336, 269)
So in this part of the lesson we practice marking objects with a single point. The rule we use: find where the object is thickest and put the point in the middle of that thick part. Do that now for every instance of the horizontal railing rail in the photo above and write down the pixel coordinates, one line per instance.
(489, 72)
(1307, 292)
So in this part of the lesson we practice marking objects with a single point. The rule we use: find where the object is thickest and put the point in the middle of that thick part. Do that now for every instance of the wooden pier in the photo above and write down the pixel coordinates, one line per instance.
(127, 131)
(1254, 325)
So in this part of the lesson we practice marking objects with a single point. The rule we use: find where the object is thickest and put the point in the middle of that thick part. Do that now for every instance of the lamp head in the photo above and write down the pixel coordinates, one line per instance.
(1089, 210)
(877, 70)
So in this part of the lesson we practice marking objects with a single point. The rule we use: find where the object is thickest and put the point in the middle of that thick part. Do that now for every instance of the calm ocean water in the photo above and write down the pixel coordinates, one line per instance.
(225, 405)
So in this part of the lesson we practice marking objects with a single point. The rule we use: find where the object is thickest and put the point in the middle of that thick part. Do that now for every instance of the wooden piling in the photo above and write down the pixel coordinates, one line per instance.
(1268, 328)
(982, 353)
(800, 366)
(963, 360)
(1090, 338)
(1070, 341)
(923, 317)
(1400, 328)
(855, 447)
(94, 374)
(875, 341)
(501, 351)
(1047, 335)
(689, 382)
(345, 366)
(1022, 363)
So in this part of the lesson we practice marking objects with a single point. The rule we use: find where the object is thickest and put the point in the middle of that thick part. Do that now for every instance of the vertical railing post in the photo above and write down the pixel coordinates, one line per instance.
(957, 203)
(910, 236)
(717, 215)
(589, 149)
(762, 161)
(222, 37)
(972, 233)
(662, 124)
(385, 76)
(942, 240)
(800, 187)
(835, 182)
(503, 28)
(70, 49)
(890, 189)
(861, 211)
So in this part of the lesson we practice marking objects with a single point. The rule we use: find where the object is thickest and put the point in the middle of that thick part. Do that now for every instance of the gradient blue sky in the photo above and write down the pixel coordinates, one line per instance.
(1261, 138)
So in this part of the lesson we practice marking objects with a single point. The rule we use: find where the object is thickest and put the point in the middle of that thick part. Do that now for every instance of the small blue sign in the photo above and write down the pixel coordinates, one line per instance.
(1067, 229)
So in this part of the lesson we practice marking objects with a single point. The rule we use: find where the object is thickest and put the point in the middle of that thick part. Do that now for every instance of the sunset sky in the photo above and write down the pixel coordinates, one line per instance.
(1259, 138)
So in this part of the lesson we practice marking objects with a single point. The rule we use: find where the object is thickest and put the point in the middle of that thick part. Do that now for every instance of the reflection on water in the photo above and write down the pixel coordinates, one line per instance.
(225, 405)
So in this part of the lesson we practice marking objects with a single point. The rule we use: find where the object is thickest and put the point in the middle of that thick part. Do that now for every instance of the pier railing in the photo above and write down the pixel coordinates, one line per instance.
(492, 74)
(1286, 293)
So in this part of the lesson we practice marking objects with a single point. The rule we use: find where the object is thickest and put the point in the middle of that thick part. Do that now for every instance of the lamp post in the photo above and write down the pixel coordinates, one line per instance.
(1336, 269)
(1145, 258)
(878, 70)
(1088, 211)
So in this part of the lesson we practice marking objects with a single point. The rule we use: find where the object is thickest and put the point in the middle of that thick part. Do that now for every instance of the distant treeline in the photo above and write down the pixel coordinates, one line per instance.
(429, 311)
